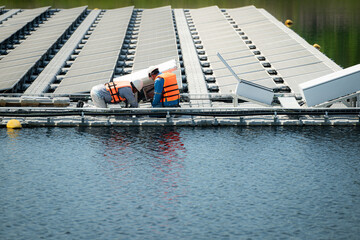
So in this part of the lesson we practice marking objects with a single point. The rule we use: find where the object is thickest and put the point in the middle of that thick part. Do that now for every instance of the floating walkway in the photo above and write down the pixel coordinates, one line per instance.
(235, 67)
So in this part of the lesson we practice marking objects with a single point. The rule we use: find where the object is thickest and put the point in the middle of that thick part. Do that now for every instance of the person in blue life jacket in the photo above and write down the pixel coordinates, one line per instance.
(115, 92)
(166, 90)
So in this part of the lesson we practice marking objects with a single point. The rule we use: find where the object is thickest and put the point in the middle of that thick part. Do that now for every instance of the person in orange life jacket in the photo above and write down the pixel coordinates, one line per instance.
(166, 90)
(115, 92)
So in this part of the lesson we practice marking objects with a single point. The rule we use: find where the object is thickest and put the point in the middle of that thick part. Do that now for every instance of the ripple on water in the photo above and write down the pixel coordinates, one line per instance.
(162, 183)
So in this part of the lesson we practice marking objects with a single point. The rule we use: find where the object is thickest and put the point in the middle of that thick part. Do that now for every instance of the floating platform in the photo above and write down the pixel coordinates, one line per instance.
(234, 67)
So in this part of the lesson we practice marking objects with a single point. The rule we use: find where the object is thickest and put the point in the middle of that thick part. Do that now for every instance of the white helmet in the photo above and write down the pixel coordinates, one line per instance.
(138, 84)
(152, 70)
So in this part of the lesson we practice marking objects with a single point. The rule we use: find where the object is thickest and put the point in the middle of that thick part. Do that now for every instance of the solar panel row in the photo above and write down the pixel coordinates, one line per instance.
(234, 33)
(97, 60)
(22, 61)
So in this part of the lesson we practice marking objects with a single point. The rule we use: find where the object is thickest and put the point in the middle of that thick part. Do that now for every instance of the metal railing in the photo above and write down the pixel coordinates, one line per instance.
(211, 112)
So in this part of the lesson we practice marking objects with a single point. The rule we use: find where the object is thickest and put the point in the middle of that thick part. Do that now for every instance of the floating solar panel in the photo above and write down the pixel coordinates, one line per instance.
(100, 61)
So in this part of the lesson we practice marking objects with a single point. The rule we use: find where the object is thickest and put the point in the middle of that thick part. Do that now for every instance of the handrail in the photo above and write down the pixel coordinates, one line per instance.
(213, 112)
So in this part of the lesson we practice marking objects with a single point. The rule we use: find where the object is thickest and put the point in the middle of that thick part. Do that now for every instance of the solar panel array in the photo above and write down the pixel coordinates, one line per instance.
(8, 14)
(20, 62)
(255, 45)
(43, 82)
(156, 39)
(97, 60)
(18, 22)
(293, 58)
(219, 36)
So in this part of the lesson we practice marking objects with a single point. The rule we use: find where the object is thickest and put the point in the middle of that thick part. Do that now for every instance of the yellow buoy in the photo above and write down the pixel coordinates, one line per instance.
(317, 46)
(96, 9)
(288, 22)
(13, 123)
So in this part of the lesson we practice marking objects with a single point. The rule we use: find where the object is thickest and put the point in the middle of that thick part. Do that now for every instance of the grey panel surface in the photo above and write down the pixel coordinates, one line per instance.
(304, 77)
(230, 55)
(112, 26)
(156, 31)
(286, 56)
(287, 53)
(87, 77)
(289, 102)
(147, 61)
(17, 22)
(304, 69)
(150, 50)
(217, 35)
(8, 14)
(88, 63)
(110, 41)
(246, 62)
(79, 83)
(296, 62)
(23, 50)
(281, 50)
(331, 64)
(159, 55)
(94, 69)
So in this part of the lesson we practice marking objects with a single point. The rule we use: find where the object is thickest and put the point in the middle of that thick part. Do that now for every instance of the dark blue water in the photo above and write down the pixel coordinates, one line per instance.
(180, 183)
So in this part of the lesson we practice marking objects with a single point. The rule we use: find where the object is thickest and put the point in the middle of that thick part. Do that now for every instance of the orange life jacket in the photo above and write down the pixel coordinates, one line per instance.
(170, 90)
(113, 88)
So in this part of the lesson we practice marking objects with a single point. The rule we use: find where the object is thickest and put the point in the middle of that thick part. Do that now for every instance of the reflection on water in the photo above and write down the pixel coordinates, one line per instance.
(153, 156)
(180, 183)
(146, 165)
(13, 133)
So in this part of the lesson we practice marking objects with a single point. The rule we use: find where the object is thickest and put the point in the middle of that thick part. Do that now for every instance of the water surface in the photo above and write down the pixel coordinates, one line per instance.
(180, 183)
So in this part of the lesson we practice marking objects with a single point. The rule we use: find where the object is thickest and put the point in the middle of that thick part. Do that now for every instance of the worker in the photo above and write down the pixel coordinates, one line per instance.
(115, 92)
(166, 90)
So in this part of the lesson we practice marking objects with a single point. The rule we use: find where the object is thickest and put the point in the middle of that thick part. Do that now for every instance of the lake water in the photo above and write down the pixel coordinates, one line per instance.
(180, 183)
